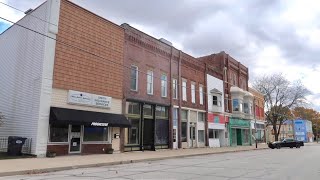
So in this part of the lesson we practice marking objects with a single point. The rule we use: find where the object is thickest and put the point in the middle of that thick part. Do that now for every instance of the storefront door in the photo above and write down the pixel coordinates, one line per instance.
(192, 135)
(239, 137)
(75, 139)
(148, 134)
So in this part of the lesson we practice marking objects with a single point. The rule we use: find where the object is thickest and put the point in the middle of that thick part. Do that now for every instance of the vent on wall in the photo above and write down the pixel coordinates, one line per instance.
(165, 41)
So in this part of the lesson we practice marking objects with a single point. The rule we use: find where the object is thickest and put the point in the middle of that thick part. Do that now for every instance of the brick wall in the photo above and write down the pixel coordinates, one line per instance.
(78, 70)
(193, 71)
(59, 149)
(147, 53)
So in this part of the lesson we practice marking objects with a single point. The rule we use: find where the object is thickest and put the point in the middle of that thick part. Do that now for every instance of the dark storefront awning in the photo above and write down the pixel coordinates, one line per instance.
(71, 116)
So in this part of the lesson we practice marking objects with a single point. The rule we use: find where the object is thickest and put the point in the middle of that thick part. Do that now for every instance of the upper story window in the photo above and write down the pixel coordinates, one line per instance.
(134, 78)
(201, 94)
(235, 105)
(184, 90)
(175, 88)
(246, 108)
(163, 85)
(201, 116)
(216, 97)
(193, 92)
(150, 82)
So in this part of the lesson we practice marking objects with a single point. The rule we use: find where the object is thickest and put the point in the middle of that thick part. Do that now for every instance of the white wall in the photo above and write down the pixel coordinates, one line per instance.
(26, 76)
(216, 83)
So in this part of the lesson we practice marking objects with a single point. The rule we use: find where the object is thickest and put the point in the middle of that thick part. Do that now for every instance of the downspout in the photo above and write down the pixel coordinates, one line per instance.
(171, 105)
(180, 101)
(206, 104)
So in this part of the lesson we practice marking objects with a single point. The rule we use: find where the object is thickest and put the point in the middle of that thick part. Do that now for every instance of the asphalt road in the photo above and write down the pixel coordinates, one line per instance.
(283, 164)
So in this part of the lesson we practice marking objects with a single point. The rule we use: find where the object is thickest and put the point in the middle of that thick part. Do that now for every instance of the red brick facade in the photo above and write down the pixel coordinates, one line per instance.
(234, 73)
(89, 69)
(85, 149)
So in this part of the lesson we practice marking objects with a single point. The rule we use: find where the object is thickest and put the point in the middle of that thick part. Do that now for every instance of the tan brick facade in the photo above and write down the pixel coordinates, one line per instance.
(259, 104)
(90, 69)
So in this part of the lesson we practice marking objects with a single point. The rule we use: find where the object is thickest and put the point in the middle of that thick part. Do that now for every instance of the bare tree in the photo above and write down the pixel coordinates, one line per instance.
(281, 96)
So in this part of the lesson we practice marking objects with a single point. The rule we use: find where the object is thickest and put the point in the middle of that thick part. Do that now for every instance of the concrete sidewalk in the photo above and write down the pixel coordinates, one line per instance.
(41, 165)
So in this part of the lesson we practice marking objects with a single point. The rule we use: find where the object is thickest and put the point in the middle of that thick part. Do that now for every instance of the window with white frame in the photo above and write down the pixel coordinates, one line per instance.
(235, 105)
(201, 136)
(184, 90)
(193, 92)
(201, 116)
(150, 82)
(134, 78)
(175, 88)
(201, 94)
(163, 85)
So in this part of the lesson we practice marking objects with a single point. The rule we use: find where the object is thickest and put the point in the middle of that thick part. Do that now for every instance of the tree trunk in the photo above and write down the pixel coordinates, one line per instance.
(276, 135)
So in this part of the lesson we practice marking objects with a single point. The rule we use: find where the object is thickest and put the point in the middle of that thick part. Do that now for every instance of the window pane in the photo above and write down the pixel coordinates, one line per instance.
(201, 94)
(95, 133)
(184, 115)
(235, 105)
(134, 74)
(200, 117)
(133, 108)
(164, 85)
(215, 100)
(147, 110)
(193, 93)
(201, 136)
(133, 131)
(246, 108)
(175, 117)
(175, 89)
(184, 90)
(216, 134)
(150, 82)
(58, 133)
(184, 131)
(211, 135)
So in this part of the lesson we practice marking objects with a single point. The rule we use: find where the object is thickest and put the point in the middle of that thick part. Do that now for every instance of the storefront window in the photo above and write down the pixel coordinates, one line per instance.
(184, 115)
(235, 105)
(133, 108)
(147, 111)
(58, 133)
(161, 112)
(184, 131)
(133, 131)
(95, 133)
(201, 136)
(246, 136)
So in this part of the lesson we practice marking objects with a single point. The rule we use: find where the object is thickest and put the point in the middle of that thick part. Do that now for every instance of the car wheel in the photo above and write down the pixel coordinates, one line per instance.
(291, 147)
(278, 146)
(272, 148)
(297, 146)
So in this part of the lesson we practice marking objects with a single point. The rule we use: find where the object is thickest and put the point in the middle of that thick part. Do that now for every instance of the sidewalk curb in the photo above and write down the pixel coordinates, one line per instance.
(47, 170)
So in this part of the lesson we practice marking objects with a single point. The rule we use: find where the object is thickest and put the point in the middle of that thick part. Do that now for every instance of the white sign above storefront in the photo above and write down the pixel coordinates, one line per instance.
(82, 98)
(216, 126)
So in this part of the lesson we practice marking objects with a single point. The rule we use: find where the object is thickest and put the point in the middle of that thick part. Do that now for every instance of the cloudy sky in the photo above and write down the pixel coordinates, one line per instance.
(267, 36)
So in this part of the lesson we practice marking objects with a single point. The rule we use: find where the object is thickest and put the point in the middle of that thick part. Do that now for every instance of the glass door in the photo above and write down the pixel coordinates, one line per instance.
(75, 139)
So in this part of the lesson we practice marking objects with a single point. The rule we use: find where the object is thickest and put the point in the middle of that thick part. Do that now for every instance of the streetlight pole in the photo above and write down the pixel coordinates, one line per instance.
(255, 121)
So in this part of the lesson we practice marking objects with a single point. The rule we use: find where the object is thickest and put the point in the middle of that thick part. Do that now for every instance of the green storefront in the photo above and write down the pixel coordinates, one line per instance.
(239, 132)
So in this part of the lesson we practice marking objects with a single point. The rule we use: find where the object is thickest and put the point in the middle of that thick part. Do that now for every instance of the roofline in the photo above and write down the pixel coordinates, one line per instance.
(25, 15)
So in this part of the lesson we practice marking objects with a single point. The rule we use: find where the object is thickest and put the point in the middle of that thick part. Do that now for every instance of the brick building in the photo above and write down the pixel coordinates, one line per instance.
(258, 123)
(238, 102)
(69, 90)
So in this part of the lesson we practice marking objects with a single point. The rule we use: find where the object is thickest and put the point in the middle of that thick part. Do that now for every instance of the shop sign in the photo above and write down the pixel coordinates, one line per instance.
(99, 124)
(239, 122)
(82, 98)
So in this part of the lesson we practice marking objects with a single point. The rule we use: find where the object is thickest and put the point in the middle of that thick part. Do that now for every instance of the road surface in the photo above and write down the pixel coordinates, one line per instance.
(283, 164)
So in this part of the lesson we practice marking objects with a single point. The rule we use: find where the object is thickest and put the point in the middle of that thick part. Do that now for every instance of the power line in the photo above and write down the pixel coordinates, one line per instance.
(93, 54)
(94, 43)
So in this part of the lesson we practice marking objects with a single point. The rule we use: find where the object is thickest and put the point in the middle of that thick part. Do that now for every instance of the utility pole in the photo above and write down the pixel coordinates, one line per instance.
(255, 121)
